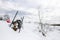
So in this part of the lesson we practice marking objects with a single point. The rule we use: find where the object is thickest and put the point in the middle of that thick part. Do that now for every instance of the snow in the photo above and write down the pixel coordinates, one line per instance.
(6, 33)
(28, 32)
(49, 10)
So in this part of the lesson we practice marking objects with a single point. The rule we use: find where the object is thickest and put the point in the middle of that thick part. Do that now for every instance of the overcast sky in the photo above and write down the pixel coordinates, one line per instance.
(30, 4)
(26, 4)
(48, 8)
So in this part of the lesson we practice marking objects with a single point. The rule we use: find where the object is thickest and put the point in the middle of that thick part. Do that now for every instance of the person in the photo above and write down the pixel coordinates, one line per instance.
(19, 22)
(14, 26)
(6, 18)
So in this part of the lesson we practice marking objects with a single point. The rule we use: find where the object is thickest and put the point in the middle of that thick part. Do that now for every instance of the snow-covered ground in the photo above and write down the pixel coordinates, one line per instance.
(49, 13)
(28, 32)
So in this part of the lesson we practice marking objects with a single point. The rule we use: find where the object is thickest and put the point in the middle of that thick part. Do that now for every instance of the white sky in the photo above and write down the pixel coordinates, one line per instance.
(48, 8)
(27, 4)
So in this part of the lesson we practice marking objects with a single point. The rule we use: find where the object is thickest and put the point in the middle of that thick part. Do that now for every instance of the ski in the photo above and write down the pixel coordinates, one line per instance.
(41, 24)
(42, 30)
(43, 34)
(22, 18)
(14, 18)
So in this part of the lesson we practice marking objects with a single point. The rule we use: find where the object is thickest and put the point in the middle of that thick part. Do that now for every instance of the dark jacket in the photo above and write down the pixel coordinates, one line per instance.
(19, 23)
